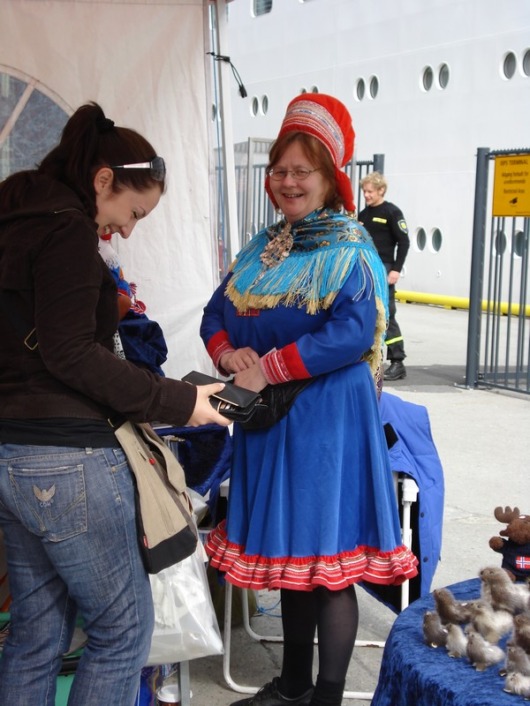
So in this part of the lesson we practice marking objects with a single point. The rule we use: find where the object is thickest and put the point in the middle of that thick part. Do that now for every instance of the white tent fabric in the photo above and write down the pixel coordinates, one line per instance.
(145, 63)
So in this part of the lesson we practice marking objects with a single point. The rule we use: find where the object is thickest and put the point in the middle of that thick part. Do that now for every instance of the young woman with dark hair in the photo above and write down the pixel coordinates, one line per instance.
(67, 506)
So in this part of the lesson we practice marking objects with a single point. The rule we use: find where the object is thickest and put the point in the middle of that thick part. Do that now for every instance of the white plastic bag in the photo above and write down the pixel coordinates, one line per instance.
(185, 622)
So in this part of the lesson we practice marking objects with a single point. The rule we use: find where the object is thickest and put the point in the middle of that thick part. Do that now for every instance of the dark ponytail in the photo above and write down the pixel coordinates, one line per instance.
(89, 141)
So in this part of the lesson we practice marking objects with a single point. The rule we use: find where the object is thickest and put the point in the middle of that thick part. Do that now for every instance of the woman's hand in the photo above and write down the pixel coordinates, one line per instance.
(203, 412)
(238, 360)
(252, 378)
(393, 277)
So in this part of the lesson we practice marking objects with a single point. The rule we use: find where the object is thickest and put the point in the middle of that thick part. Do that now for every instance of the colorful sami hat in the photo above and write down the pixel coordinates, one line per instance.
(327, 119)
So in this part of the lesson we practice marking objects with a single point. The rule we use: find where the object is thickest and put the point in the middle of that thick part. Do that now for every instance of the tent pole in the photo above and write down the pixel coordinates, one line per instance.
(229, 172)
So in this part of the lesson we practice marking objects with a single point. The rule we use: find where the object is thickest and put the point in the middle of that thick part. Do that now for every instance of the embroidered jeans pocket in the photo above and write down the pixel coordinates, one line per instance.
(50, 496)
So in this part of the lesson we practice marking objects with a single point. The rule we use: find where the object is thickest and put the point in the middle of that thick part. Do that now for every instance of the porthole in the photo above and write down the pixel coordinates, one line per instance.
(303, 91)
(254, 106)
(520, 243)
(374, 86)
(262, 7)
(427, 78)
(500, 243)
(509, 65)
(264, 104)
(421, 239)
(314, 89)
(443, 76)
(360, 89)
(526, 63)
(436, 240)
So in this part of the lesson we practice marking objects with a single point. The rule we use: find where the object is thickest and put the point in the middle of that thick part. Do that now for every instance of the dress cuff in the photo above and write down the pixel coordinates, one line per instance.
(274, 369)
(217, 346)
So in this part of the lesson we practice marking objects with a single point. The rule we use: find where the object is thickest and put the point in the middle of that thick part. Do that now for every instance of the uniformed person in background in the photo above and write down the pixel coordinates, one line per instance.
(387, 226)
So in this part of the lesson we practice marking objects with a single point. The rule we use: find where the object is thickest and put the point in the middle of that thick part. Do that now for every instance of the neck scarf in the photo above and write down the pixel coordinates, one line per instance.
(306, 264)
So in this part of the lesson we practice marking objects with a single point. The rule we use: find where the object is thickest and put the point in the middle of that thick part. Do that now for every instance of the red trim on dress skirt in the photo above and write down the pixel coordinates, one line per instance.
(305, 573)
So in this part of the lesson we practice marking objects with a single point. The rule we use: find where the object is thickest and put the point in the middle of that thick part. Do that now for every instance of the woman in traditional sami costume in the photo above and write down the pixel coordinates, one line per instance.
(312, 509)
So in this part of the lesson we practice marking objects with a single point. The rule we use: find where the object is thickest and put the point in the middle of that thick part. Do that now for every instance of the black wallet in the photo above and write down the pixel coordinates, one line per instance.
(233, 402)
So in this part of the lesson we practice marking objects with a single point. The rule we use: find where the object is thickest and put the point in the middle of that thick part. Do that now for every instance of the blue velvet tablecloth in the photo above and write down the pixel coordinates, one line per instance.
(414, 674)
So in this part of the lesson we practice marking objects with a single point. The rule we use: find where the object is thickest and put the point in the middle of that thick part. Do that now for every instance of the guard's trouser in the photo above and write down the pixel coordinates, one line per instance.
(395, 346)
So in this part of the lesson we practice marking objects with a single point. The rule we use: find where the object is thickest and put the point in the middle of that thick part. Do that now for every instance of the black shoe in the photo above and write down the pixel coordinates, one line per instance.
(395, 371)
(269, 695)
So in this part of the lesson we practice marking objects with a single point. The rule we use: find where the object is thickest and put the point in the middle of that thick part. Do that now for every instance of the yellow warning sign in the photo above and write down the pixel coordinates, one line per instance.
(511, 185)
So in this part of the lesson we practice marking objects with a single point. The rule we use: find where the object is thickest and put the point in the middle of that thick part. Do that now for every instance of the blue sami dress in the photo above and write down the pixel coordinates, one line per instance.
(312, 500)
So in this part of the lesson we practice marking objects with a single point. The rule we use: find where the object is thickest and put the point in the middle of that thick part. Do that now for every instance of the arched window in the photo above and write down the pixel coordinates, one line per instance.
(31, 122)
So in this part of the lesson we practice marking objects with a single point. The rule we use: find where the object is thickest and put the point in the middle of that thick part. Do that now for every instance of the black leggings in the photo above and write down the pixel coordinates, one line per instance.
(334, 615)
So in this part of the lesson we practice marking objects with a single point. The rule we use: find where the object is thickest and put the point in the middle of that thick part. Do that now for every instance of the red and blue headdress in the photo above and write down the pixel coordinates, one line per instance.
(327, 119)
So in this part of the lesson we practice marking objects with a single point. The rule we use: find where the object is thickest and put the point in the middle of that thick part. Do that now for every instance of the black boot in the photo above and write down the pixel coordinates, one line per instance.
(395, 371)
(327, 693)
(269, 695)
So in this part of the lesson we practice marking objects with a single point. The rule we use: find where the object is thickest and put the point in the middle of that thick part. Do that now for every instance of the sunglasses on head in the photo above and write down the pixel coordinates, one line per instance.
(157, 167)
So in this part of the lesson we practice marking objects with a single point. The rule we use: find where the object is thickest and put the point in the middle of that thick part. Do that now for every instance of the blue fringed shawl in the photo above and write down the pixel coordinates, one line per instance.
(326, 247)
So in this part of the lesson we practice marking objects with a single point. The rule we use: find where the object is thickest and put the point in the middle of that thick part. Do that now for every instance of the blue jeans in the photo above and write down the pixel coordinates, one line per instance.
(68, 518)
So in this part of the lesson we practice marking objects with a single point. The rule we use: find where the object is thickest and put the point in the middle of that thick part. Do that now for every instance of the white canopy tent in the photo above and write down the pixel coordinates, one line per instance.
(145, 63)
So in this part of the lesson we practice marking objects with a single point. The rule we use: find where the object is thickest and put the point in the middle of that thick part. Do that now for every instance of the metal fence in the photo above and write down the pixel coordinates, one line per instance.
(254, 209)
(356, 170)
(498, 351)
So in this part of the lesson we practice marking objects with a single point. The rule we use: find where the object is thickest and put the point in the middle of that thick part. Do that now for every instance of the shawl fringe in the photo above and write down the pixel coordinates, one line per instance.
(326, 246)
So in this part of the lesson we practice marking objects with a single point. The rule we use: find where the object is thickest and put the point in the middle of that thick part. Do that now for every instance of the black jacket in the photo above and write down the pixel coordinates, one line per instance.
(388, 228)
(52, 278)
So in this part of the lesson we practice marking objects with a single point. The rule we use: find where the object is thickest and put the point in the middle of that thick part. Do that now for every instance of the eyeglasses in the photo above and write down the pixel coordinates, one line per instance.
(299, 174)
(157, 167)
